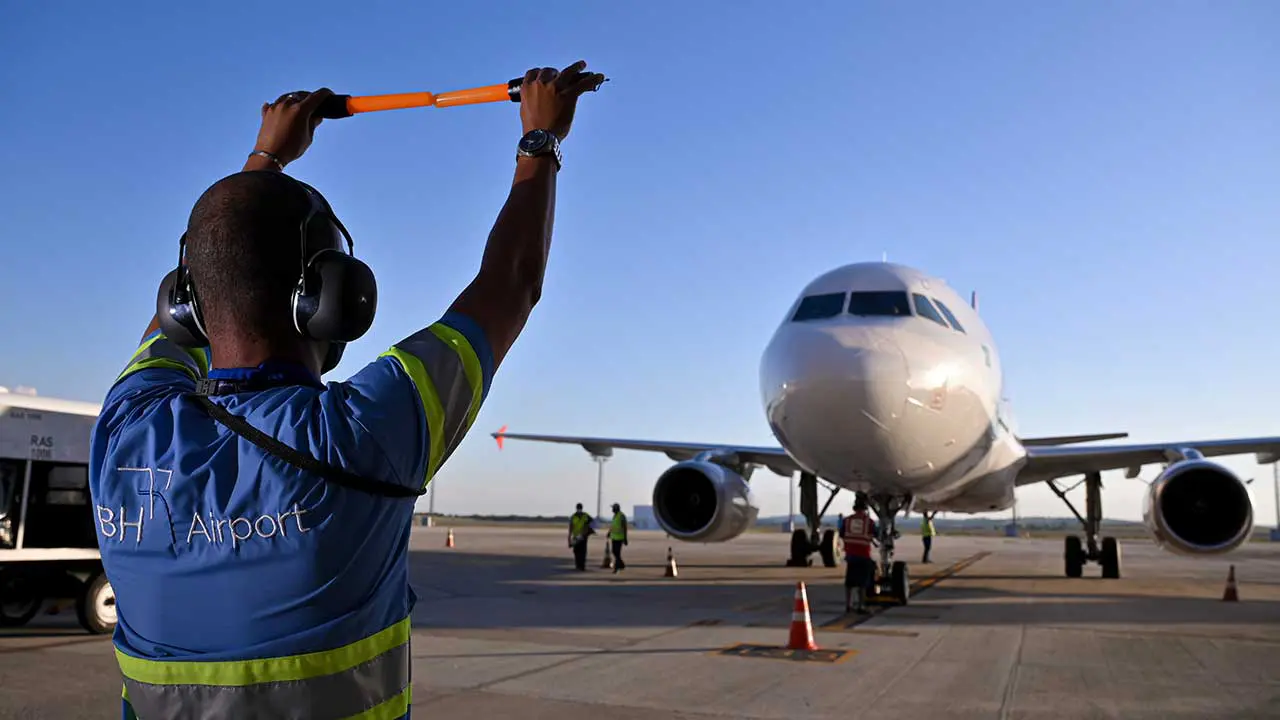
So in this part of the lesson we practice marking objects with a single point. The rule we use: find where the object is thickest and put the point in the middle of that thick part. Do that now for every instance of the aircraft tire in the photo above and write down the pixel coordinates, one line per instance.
(1073, 554)
(900, 582)
(800, 550)
(20, 598)
(828, 548)
(1110, 558)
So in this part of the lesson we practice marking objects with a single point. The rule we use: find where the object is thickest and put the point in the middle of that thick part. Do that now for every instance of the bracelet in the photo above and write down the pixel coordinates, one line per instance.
(270, 157)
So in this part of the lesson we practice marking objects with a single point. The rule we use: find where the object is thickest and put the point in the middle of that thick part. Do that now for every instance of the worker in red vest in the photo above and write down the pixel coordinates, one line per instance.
(858, 531)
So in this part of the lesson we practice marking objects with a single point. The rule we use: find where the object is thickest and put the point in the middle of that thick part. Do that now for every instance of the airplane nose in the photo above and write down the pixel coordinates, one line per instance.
(845, 383)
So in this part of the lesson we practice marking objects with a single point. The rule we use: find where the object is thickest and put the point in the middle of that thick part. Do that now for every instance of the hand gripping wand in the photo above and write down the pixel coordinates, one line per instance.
(343, 106)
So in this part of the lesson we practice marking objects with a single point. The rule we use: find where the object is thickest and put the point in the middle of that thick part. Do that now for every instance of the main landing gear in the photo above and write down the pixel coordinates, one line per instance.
(1075, 553)
(813, 538)
(892, 580)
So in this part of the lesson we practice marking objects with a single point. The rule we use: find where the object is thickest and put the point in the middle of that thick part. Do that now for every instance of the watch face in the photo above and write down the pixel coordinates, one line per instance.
(534, 140)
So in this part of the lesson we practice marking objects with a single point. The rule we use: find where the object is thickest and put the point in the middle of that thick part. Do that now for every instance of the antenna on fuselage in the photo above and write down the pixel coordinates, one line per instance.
(973, 299)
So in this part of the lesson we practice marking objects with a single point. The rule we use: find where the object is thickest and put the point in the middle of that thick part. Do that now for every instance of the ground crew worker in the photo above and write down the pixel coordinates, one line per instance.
(927, 531)
(246, 586)
(618, 537)
(858, 531)
(581, 526)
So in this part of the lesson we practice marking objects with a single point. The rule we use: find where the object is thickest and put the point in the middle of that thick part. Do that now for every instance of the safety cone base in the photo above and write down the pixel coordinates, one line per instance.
(770, 652)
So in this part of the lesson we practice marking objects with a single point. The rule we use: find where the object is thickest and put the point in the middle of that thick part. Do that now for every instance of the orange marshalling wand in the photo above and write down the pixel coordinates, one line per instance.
(341, 106)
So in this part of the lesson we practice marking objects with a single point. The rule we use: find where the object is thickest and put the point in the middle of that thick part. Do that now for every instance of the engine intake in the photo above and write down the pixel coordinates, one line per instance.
(701, 501)
(1198, 507)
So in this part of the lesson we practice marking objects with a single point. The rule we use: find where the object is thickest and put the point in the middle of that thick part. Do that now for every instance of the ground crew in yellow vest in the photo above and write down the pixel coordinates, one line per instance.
(253, 520)
(618, 537)
(581, 527)
(927, 531)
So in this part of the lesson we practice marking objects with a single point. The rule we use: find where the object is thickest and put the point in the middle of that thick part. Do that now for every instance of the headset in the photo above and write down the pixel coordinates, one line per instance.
(335, 299)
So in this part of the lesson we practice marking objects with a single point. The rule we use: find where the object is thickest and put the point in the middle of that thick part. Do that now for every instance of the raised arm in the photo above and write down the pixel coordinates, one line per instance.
(509, 282)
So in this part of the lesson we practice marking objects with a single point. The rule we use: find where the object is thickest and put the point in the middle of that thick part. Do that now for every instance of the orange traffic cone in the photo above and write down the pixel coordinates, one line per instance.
(1231, 595)
(671, 565)
(801, 627)
(448, 542)
(608, 558)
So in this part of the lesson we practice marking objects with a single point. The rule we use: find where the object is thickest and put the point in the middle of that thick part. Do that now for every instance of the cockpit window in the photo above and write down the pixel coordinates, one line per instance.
(889, 303)
(818, 307)
(926, 309)
(951, 318)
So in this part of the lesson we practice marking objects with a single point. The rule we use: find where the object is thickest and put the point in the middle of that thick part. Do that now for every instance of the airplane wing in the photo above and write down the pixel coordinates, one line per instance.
(774, 458)
(1049, 462)
(1070, 439)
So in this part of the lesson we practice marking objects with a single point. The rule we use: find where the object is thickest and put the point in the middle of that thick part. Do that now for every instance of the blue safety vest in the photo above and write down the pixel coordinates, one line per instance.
(245, 587)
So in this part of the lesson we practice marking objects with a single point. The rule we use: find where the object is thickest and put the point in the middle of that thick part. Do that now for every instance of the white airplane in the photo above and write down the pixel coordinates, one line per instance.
(883, 380)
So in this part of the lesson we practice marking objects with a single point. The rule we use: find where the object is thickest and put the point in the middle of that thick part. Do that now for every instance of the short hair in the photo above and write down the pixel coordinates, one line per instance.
(244, 252)
(579, 506)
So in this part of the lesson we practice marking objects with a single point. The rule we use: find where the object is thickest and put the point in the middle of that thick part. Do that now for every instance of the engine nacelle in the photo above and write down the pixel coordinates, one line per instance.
(1197, 507)
(699, 501)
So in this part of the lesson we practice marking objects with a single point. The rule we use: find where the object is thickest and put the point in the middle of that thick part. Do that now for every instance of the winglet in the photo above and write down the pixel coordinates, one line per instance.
(498, 435)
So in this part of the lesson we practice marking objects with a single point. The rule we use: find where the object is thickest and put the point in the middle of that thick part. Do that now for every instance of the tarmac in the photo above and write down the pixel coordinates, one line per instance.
(505, 627)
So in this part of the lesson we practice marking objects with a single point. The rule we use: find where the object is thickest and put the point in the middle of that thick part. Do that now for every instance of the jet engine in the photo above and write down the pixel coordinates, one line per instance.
(700, 501)
(1197, 507)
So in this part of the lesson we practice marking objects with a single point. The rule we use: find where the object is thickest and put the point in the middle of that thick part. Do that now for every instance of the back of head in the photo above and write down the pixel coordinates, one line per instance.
(245, 255)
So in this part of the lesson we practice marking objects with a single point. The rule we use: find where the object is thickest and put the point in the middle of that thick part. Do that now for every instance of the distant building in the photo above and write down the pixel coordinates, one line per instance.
(642, 518)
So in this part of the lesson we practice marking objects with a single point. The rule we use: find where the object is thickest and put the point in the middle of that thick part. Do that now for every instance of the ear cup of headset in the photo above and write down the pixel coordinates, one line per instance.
(340, 301)
(177, 313)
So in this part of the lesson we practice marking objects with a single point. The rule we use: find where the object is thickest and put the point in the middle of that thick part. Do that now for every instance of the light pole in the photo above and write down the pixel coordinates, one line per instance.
(791, 505)
(431, 502)
(1275, 481)
(600, 461)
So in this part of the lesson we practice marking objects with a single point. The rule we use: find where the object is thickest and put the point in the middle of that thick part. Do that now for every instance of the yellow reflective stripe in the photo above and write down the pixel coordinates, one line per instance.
(394, 708)
(201, 358)
(251, 672)
(124, 691)
(157, 362)
(470, 365)
(414, 368)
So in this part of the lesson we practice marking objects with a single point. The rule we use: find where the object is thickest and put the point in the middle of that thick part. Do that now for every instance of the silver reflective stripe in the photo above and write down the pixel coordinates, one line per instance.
(339, 695)
(445, 370)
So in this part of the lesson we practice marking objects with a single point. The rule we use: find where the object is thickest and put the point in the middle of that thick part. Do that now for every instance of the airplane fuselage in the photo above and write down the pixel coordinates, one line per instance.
(883, 379)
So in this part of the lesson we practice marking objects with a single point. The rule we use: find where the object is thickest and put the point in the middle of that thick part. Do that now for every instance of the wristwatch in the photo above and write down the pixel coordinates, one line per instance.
(539, 142)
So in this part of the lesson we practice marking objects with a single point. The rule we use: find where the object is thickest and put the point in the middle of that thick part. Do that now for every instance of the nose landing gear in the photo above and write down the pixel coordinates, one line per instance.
(893, 581)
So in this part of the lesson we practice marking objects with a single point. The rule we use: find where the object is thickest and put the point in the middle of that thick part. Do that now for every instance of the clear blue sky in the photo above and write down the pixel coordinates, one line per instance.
(1106, 175)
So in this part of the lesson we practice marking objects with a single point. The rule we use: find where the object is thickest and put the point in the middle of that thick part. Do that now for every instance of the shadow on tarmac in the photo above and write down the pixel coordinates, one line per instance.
(488, 591)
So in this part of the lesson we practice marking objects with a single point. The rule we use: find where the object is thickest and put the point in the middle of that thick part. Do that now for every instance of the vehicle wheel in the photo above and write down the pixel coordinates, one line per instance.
(900, 582)
(800, 550)
(1110, 558)
(96, 606)
(828, 548)
(20, 598)
(1074, 556)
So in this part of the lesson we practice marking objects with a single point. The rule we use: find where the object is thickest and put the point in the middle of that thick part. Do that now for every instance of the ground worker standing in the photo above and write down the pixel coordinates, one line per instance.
(618, 537)
(254, 521)
(927, 532)
(580, 528)
(858, 531)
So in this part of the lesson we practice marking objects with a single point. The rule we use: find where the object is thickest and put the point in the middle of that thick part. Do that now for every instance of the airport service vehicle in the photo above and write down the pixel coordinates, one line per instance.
(882, 379)
(48, 542)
